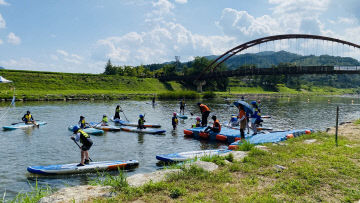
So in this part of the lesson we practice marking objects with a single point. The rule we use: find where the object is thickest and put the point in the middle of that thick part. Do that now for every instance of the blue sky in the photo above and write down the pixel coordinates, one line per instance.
(79, 36)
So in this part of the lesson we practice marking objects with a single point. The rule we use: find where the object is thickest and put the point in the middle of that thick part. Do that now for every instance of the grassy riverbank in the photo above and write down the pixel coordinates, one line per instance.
(314, 172)
(34, 85)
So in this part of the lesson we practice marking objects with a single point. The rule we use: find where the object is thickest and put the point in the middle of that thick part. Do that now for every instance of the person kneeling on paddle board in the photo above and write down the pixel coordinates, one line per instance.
(174, 121)
(216, 126)
(105, 121)
(87, 143)
(28, 118)
(83, 124)
(141, 122)
(198, 122)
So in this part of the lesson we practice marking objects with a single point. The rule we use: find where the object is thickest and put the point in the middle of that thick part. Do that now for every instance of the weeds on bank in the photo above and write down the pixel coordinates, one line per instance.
(31, 197)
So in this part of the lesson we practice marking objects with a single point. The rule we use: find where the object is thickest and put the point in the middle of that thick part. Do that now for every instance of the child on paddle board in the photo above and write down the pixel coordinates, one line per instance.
(86, 142)
(182, 106)
(174, 121)
(216, 126)
(141, 122)
(242, 119)
(28, 118)
(198, 122)
(83, 124)
(105, 121)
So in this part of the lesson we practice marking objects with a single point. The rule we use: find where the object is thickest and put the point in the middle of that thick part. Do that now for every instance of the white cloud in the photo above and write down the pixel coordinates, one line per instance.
(4, 3)
(62, 55)
(2, 22)
(13, 39)
(62, 52)
(181, 1)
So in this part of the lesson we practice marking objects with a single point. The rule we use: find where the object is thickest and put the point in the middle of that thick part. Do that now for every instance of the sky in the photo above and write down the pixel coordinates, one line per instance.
(80, 36)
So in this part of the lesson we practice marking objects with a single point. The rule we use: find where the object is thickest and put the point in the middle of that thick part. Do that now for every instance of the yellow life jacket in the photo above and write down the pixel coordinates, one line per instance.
(105, 120)
(28, 117)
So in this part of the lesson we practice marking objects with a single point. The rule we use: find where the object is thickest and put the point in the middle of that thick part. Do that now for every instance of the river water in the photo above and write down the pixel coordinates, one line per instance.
(50, 144)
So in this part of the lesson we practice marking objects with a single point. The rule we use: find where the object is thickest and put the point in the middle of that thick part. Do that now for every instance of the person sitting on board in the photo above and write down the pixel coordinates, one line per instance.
(216, 128)
(242, 119)
(174, 121)
(255, 118)
(234, 121)
(182, 106)
(105, 120)
(28, 118)
(86, 144)
(83, 124)
(141, 122)
(205, 111)
(117, 112)
(198, 122)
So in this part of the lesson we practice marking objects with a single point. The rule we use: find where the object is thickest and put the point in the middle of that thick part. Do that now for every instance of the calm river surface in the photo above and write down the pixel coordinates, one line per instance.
(50, 144)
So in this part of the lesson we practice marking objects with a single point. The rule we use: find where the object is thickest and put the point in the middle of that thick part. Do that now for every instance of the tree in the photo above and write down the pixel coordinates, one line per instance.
(109, 69)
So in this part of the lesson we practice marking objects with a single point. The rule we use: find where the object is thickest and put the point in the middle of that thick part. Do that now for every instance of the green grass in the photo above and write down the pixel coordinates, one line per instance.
(31, 197)
(34, 85)
(314, 172)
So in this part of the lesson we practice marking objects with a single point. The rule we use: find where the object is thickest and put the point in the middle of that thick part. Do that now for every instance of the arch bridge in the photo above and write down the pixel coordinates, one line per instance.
(210, 71)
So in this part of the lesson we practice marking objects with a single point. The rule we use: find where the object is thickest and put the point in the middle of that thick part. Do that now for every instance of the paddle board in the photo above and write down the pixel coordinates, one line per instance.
(127, 123)
(183, 156)
(182, 116)
(91, 131)
(90, 168)
(104, 127)
(147, 130)
(23, 125)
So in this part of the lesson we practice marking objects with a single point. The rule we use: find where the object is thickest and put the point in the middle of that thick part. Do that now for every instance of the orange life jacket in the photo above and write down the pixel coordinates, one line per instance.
(204, 108)
(217, 125)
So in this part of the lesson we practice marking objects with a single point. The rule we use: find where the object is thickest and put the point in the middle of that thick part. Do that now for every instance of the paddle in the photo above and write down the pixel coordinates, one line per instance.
(124, 114)
(80, 148)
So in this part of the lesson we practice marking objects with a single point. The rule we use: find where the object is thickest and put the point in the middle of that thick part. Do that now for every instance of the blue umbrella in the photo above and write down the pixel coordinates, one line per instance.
(247, 108)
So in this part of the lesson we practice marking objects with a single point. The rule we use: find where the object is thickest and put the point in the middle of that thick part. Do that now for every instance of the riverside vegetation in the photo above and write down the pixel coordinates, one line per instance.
(316, 171)
(34, 85)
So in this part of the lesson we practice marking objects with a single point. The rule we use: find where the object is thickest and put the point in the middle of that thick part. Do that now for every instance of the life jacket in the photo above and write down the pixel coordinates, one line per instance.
(175, 120)
(117, 110)
(241, 115)
(204, 108)
(217, 125)
(141, 122)
(198, 123)
(84, 137)
(28, 117)
(105, 119)
(82, 123)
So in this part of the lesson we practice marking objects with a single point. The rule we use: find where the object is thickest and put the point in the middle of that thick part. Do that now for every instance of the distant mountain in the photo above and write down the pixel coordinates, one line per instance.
(270, 58)
(1, 67)
(267, 59)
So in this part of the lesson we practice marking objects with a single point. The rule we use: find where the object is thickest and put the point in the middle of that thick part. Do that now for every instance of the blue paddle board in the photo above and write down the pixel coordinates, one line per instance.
(146, 130)
(92, 167)
(183, 156)
(91, 131)
(23, 125)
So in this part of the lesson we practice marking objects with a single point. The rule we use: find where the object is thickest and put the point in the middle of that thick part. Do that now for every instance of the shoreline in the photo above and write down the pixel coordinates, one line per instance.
(276, 159)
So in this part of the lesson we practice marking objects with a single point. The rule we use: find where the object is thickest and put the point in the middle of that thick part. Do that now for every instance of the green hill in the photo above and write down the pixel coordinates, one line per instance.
(49, 85)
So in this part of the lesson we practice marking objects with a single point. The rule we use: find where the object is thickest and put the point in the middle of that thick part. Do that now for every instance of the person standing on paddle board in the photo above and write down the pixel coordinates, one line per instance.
(117, 112)
(174, 121)
(255, 118)
(86, 144)
(182, 106)
(28, 118)
(141, 122)
(242, 119)
(205, 112)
